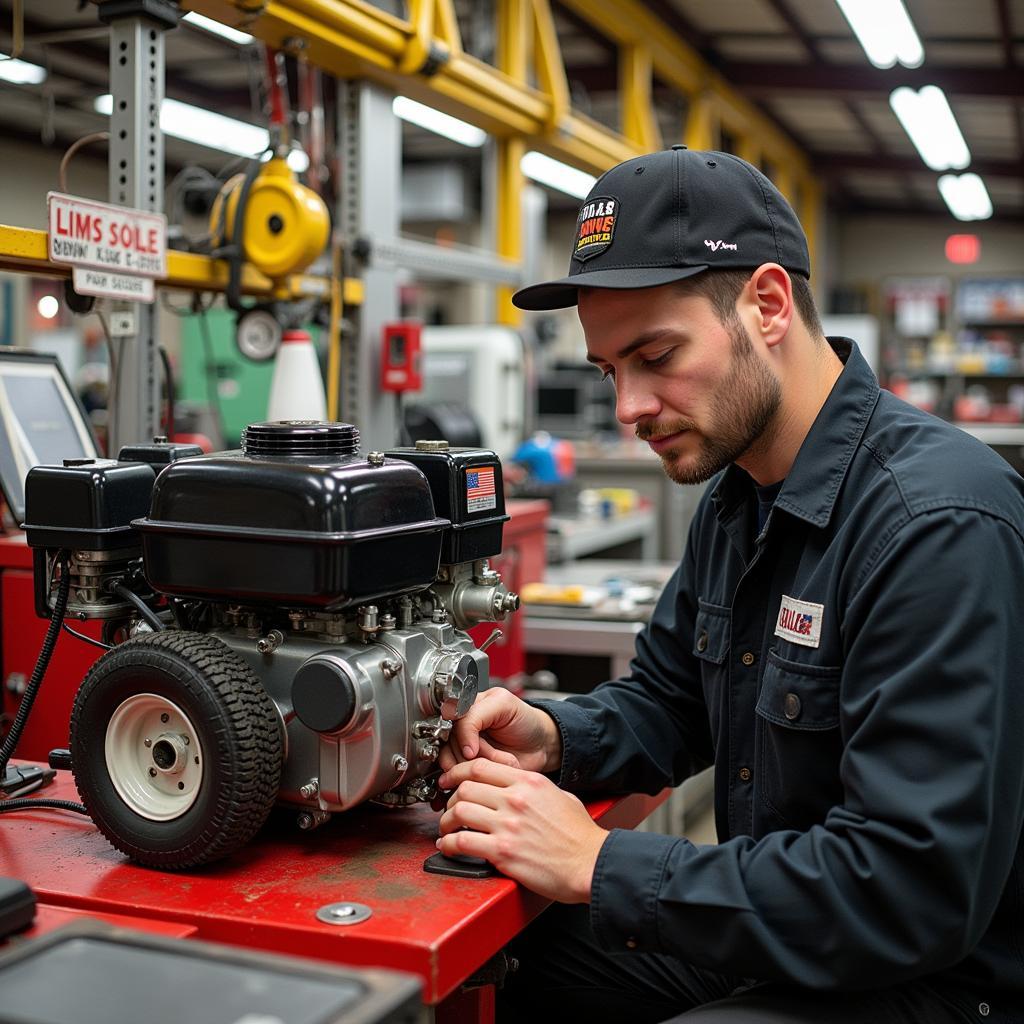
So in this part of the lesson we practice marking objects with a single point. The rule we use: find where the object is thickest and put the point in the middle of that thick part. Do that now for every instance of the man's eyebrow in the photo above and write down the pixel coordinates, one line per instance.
(638, 342)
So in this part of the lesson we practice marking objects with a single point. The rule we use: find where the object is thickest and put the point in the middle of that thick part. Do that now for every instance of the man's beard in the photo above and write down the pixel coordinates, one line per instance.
(743, 410)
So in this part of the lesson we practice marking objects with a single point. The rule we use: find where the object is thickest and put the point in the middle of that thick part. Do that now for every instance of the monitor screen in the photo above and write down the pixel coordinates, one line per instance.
(110, 981)
(41, 421)
(558, 400)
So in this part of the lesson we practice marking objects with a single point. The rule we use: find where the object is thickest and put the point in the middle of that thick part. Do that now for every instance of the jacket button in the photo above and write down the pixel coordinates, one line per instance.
(745, 774)
(702, 642)
(631, 943)
(748, 658)
(791, 706)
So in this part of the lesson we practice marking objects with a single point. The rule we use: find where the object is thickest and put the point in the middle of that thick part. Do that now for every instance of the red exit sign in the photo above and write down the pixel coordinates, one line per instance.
(963, 248)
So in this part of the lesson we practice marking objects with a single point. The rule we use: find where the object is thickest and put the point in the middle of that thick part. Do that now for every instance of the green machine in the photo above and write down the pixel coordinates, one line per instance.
(212, 368)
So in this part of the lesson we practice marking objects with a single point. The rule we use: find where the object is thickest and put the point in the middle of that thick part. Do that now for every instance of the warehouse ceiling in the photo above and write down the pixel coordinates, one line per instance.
(795, 59)
(800, 63)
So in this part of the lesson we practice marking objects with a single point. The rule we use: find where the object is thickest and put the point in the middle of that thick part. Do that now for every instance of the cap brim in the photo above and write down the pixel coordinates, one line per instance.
(565, 292)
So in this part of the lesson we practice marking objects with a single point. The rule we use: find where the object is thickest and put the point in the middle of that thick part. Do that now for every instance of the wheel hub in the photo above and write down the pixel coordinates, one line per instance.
(154, 757)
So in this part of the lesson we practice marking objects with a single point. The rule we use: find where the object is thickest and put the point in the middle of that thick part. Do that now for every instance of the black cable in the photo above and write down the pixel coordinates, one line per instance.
(143, 609)
(86, 639)
(21, 804)
(236, 249)
(169, 383)
(49, 643)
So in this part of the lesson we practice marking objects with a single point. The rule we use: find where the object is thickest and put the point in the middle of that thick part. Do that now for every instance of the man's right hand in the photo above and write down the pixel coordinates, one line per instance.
(507, 730)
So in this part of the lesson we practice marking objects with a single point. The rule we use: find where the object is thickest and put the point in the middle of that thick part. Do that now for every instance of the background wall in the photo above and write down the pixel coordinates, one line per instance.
(872, 248)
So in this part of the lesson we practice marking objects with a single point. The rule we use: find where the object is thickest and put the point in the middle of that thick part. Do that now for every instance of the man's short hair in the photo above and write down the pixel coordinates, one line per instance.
(722, 288)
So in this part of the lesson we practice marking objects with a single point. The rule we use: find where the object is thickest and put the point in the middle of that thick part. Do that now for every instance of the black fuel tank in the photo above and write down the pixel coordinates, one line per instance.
(296, 517)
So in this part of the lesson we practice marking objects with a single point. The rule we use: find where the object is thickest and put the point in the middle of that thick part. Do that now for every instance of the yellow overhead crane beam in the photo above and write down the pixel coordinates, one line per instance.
(25, 250)
(423, 58)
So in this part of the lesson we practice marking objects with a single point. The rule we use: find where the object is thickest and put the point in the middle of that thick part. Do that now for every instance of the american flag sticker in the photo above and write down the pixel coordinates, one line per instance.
(480, 489)
(800, 621)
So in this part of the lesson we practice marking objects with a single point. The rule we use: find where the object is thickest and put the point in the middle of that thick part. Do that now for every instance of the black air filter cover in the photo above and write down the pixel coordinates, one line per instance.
(468, 490)
(273, 524)
(86, 504)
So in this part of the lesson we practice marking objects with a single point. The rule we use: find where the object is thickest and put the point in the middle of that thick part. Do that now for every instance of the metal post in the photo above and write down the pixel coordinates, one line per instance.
(136, 179)
(370, 142)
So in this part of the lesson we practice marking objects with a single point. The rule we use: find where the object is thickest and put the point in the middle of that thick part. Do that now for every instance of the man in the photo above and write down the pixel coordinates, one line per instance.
(842, 640)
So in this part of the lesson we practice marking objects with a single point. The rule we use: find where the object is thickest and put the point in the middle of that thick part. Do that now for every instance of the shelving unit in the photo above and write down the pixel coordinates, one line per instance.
(960, 354)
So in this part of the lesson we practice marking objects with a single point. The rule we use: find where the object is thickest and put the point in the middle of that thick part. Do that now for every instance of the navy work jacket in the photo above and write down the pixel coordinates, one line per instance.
(855, 673)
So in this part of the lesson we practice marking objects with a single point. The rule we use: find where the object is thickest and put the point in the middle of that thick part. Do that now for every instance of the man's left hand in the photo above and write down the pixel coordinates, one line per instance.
(526, 826)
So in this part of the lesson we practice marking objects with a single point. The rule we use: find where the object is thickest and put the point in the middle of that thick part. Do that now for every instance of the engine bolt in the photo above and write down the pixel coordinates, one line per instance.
(165, 718)
(148, 742)
(152, 773)
(375, 458)
(309, 790)
(399, 763)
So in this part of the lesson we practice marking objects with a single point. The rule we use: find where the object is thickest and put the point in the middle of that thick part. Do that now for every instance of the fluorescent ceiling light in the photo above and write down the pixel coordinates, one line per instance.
(20, 72)
(885, 30)
(217, 29)
(215, 131)
(966, 196)
(928, 120)
(441, 124)
(557, 175)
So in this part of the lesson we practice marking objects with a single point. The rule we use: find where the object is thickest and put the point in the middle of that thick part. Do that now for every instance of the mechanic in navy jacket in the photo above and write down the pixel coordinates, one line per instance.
(843, 640)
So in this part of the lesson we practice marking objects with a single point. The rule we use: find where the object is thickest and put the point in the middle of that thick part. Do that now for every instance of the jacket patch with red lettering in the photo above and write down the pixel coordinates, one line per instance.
(799, 621)
(595, 227)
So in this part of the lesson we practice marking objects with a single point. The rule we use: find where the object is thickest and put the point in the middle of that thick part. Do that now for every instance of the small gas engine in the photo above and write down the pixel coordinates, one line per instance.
(286, 625)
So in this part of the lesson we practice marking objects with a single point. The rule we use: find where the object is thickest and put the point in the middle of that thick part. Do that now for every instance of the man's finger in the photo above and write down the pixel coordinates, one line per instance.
(476, 793)
(480, 770)
(468, 844)
(447, 758)
(467, 815)
(493, 753)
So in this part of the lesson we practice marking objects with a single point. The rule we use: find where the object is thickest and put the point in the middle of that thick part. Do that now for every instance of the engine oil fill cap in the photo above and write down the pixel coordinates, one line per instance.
(323, 695)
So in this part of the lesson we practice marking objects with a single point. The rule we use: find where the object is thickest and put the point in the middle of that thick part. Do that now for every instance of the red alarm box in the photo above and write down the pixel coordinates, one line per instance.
(400, 357)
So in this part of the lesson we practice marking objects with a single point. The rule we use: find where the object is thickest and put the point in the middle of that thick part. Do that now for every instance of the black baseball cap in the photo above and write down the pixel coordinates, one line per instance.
(672, 214)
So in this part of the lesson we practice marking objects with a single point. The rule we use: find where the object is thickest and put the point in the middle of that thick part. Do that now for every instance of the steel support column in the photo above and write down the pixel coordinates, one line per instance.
(370, 140)
(136, 179)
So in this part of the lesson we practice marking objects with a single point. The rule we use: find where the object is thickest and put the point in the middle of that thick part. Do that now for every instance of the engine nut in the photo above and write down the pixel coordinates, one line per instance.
(399, 763)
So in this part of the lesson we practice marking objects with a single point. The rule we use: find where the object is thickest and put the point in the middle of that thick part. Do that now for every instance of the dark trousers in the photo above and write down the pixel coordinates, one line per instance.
(564, 976)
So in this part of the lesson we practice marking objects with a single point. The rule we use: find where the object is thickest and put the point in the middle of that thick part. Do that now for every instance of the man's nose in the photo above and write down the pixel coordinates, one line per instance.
(633, 403)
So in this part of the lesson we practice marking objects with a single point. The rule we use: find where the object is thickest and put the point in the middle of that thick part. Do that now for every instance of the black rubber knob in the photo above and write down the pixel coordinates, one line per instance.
(323, 696)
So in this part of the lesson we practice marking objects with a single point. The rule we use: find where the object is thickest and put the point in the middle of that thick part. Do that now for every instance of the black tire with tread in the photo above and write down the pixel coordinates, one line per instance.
(238, 727)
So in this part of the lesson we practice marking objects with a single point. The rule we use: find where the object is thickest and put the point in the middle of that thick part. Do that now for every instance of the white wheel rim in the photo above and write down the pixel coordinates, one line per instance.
(154, 757)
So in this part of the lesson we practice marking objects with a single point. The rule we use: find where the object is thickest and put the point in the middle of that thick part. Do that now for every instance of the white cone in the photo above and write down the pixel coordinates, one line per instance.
(297, 387)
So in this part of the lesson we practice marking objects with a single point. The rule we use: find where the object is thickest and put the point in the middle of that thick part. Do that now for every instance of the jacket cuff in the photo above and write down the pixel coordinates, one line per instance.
(580, 744)
(628, 876)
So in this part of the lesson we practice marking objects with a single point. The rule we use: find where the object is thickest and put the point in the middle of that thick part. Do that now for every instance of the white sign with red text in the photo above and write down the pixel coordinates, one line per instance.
(85, 233)
(112, 285)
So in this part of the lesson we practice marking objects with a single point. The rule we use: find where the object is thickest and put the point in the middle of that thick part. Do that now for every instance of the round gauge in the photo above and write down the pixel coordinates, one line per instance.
(257, 335)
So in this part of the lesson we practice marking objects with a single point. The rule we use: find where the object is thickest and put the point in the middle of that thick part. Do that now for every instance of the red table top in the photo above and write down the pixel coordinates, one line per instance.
(266, 896)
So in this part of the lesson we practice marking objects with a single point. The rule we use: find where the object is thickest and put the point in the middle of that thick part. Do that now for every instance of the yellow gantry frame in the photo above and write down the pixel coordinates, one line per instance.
(24, 250)
(524, 100)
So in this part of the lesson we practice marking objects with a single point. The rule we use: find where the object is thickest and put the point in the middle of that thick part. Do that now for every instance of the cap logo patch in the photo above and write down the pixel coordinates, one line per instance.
(715, 246)
(595, 227)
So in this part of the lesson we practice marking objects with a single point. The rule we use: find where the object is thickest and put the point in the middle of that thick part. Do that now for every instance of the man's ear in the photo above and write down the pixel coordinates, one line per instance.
(771, 291)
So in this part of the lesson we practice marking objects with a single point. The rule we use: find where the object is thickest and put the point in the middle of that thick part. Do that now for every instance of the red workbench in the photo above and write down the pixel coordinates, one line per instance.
(267, 895)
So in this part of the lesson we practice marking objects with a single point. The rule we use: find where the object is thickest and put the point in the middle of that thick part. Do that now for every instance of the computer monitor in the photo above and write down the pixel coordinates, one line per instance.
(573, 402)
(41, 421)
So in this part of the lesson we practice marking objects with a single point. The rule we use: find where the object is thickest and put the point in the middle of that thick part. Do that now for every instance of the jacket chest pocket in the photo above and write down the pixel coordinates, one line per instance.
(799, 745)
(711, 635)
